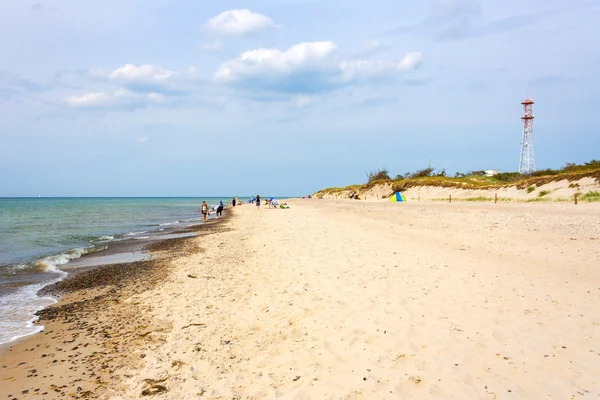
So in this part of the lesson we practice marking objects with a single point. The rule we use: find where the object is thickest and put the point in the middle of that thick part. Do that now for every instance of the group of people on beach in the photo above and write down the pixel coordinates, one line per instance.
(205, 210)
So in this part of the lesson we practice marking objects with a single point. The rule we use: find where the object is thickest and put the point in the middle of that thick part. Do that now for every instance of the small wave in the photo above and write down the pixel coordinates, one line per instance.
(51, 264)
(14, 269)
(169, 223)
(135, 233)
(102, 239)
(142, 237)
(17, 312)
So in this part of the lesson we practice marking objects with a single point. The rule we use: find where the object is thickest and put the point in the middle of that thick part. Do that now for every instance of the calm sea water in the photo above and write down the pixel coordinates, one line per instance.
(38, 235)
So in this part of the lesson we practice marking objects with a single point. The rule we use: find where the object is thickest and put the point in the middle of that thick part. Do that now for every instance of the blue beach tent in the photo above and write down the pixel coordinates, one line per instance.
(397, 197)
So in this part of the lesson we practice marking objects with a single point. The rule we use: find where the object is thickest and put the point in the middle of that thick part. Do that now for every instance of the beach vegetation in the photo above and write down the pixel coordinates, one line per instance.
(478, 198)
(506, 177)
(543, 193)
(421, 173)
(590, 196)
(473, 199)
(474, 180)
(548, 200)
(376, 177)
(382, 174)
(530, 189)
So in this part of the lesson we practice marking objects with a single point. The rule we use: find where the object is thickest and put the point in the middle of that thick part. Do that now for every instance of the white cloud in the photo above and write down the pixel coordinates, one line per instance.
(266, 61)
(307, 68)
(353, 70)
(238, 23)
(149, 78)
(90, 98)
(143, 139)
(130, 73)
(118, 99)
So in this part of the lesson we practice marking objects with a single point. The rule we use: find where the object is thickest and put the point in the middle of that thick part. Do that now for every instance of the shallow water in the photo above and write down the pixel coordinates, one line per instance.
(39, 236)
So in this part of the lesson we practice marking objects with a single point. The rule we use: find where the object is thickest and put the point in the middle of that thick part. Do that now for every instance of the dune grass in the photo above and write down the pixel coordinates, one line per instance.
(474, 199)
(590, 196)
(543, 193)
(547, 200)
(476, 181)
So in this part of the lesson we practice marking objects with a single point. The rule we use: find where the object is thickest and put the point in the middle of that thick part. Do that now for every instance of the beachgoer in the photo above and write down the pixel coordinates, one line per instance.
(257, 202)
(233, 202)
(204, 210)
(220, 208)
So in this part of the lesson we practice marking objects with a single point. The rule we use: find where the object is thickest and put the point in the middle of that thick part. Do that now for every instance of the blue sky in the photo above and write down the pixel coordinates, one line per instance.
(284, 97)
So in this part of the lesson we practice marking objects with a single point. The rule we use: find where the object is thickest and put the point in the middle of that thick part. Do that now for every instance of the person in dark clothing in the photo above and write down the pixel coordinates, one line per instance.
(220, 208)
(257, 202)
(233, 202)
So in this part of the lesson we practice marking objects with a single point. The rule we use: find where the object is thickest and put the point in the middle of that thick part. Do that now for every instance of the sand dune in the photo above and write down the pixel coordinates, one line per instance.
(557, 191)
(357, 300)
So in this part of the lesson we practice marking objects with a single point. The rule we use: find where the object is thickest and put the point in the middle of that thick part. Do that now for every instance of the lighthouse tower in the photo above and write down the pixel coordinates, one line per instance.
(527, 164)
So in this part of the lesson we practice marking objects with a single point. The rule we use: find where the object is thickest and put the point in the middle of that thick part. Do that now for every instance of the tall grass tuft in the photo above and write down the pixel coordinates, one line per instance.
(591, 196)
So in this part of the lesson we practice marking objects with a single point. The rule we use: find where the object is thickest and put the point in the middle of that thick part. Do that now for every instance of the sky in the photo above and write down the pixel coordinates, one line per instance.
(285, 97)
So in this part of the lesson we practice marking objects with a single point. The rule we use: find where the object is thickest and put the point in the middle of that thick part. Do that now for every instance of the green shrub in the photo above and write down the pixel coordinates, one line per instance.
(378, 175)
(421, 173)
(476, 173)
(543, 193)
(530, 189)
(507, 176)
(545, 172)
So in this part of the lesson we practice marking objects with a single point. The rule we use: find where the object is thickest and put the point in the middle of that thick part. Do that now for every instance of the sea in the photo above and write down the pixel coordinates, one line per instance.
(40, 236)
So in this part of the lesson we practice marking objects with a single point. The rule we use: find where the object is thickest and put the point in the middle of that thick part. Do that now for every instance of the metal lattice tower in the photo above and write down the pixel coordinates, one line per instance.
(527, 164)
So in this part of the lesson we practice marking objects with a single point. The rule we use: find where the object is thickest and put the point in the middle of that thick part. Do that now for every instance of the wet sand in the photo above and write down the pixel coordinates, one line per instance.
(93, 332)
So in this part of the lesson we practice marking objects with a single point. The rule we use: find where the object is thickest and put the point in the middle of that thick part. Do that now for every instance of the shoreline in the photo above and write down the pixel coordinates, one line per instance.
(120, 248)
(91, 303)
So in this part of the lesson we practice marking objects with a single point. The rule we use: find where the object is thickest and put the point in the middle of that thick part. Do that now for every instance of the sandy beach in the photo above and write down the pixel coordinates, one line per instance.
(336, 299)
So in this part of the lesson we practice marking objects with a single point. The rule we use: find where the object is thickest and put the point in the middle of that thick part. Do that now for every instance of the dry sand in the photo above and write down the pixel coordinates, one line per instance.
(358, 300)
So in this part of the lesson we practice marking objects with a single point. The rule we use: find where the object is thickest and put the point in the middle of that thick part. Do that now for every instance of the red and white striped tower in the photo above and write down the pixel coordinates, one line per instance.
(527, 164)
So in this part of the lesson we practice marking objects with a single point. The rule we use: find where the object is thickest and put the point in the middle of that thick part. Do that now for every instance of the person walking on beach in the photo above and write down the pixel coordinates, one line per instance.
(233, 202)
(220, 209)
(204, 211)
(257, 202)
